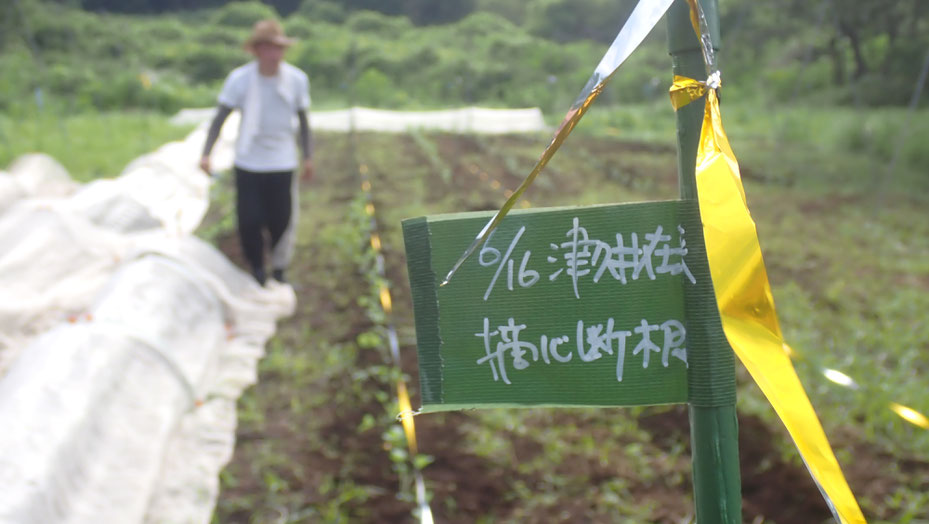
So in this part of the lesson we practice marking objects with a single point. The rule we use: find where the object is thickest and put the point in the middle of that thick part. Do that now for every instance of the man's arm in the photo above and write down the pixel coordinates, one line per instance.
(222, 112)
(306, 144)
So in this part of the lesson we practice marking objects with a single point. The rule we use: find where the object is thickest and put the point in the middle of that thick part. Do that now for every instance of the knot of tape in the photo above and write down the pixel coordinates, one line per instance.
(685, 90)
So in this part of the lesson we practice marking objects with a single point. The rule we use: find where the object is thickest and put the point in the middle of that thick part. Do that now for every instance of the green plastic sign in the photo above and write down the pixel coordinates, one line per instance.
(560, 307)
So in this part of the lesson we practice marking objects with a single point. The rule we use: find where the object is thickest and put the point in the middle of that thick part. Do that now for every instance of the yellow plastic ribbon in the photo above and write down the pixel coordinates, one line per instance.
(403, 396)
(685, 90)
(746, 305)
(910, 415)
(406, 417)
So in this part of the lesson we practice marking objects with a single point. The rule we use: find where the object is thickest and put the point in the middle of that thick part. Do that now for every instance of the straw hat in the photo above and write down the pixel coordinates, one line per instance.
(267, 31)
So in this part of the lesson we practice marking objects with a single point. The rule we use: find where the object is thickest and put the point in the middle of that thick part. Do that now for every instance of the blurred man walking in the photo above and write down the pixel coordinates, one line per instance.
(273, 97)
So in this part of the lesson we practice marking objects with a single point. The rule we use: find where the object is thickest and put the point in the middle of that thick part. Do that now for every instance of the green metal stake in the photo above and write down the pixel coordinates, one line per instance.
(713, 423)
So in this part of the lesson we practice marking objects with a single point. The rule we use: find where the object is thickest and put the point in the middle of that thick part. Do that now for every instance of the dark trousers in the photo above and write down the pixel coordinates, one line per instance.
(263, 202)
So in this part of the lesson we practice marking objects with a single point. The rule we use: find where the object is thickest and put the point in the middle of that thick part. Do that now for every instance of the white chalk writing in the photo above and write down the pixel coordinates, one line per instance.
(506, 343)
(580, 257)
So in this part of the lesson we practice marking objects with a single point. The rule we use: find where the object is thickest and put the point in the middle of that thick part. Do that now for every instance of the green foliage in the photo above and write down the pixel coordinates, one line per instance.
(421, 12)
(512, 10)
(300, 27)
(859, 142)
(509, 53)
(243, 14)
(424, 12)
(162, 30)
(568, 20)
(374, 88)
(322, 10)
(485, 25)
(859, 52)
(429, 150)
(209, 64)
(378, 24)
(88, 146)
(144, 6)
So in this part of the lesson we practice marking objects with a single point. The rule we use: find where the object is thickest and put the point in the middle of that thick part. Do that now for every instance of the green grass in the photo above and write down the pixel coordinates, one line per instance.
(817, 148)
(88, 145)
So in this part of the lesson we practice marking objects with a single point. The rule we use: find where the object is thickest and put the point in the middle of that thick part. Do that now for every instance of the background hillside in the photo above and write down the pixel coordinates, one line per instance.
(100, 54)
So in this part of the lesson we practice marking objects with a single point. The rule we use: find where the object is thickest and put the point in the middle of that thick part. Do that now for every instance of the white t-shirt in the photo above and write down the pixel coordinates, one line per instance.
(269, 115)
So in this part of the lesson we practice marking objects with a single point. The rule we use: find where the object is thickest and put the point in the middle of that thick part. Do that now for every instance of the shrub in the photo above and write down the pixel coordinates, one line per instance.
(423, 12)
(243, 14)
(512, 10)
(67, 81)
(22, 82)
(219, 36)
(567, 20)
(372, 22)
(208, 64)
(324, 60)
(53, 33)
(299, 27)
(478, 25)
(374, 88)
(323, 10)
(164, 30)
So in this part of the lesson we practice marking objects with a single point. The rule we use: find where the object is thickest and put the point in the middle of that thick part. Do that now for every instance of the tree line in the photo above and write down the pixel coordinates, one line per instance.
(165, 54)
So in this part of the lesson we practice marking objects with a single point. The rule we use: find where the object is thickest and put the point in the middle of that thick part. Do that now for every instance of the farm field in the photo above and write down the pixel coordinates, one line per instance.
(318, 440)
(825, 106)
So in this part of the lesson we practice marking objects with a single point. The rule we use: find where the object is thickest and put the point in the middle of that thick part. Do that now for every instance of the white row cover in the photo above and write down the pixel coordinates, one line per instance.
(464, 120)
(124, 342)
